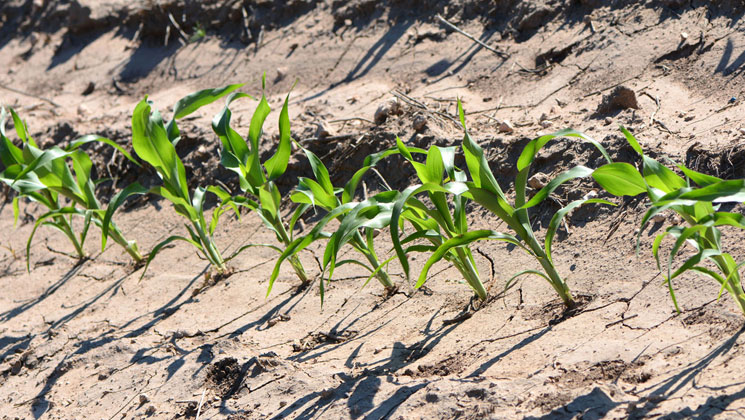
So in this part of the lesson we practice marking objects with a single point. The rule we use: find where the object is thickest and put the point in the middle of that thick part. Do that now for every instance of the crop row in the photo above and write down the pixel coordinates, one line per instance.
(429, 217)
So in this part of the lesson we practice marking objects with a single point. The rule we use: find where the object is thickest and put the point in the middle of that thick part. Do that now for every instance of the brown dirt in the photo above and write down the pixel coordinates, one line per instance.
(91, 340)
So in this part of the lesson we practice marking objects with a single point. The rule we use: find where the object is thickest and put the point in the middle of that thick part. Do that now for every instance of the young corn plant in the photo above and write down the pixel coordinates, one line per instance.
(45, 176)
(435, 224)
(256, 178)
(446, 232)
(154, 142)
(358, 229)
(484, 189)
(697, 204)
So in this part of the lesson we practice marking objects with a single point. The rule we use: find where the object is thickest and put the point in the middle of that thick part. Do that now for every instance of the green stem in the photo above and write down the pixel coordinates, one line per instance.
(295, 262)
(734, 282)
(211, 251)
(555, 279)
(359, 243)
(469, 273)
(67, 229)
(130, 247)
(65, 225)
(559, 285)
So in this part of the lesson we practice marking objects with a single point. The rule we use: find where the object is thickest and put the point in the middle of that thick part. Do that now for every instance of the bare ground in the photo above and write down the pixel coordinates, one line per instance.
(88, 339)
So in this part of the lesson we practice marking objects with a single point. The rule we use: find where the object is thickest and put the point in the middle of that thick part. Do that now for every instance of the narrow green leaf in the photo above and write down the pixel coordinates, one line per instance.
(620, 179)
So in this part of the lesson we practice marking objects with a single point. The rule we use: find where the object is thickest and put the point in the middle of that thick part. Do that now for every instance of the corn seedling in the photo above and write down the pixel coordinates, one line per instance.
(256, 178)
(45, 176)
(697, 206)
(484, 189)
(357, 230)
(155, 143)
(447, 232)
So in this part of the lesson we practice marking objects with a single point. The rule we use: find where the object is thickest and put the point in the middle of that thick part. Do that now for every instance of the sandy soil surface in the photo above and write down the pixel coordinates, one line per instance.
(89, 339)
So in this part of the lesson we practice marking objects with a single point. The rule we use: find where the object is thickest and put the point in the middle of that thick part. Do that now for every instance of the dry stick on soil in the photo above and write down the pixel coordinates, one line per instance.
(246, 29)
(201, 401)
(30, 95)
(411, 101)
(472, 38)
(351, 119)
(178, 28)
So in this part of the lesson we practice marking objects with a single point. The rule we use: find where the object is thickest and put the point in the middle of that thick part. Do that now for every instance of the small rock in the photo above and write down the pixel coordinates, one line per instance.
(281, 73)
(506, 127)
(83, 110)
(387, 108)
(323, 129)
(683, 36)
(16, 367)
(150, 410)
(659, 218)
(538, 181)
(546, 123)
(89, 89)
(420, 123)
(431, 398)
(742, 131)
(202, 153)
(689, 118)
(608, 121)
(619, 98)
(144, 399)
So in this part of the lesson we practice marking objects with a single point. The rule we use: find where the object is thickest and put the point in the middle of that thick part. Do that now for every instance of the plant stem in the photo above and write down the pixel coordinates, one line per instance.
(469, 273)
(130, 247)
(297, 265)
(359, 243)
(734, 282)
(67, 229)
(64, 224)
(555, 279)
(211, 251)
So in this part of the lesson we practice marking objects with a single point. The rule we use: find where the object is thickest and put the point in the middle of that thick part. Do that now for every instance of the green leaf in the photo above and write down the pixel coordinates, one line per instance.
(553, 226)
(257, 122)
(462, 240)
(157, 248)
(732, 191)
(152, 145)
(196, 100)
(632, 141)
(534, 146)
(277, 164)
(620, 179)
(119, 198)
(320, 172)
(576, 172)
(92, 137)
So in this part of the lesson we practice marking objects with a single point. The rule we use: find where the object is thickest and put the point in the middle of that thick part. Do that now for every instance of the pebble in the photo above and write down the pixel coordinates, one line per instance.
(323, 129)
(420, 123)
(83, 110)
(546, 123)
(387, 108)
(506, 127)
(538, 181)
(144, 399)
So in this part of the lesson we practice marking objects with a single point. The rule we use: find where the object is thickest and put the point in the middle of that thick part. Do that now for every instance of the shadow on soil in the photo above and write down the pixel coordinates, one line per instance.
(596, 404)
